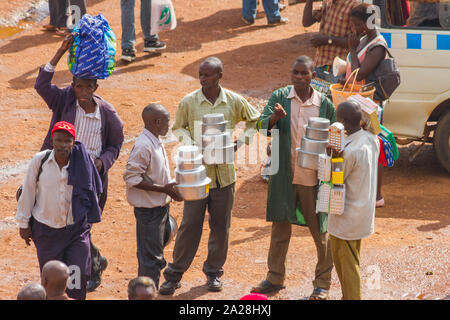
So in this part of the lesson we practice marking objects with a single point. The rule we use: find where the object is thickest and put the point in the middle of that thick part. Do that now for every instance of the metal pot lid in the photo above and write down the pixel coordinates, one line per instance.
(307, 152)
(188, 152)
(218, 148)
(318, 123)
(197, 159)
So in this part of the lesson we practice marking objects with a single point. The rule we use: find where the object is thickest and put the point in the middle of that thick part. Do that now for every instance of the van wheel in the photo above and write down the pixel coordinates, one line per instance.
(442, 141)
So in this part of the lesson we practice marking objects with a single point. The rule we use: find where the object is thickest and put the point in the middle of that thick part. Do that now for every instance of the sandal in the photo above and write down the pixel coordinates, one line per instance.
(49, 27)
(266, 287)
(61, 31)
(319, 294)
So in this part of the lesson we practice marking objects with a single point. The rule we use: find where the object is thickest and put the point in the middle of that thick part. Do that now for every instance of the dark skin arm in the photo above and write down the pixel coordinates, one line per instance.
(25, 234)
(65, 45)
(168, 189)
(279, 113)
(310, 17)
(372, 59)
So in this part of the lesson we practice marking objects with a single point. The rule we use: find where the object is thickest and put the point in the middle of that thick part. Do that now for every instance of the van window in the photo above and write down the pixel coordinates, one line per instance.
(418, 14)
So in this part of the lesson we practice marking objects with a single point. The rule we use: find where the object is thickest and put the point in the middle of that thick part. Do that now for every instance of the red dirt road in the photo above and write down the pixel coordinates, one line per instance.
(412, 231)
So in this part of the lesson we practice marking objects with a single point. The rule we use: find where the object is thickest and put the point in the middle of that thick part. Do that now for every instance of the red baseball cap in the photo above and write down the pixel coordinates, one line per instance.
(65, 126)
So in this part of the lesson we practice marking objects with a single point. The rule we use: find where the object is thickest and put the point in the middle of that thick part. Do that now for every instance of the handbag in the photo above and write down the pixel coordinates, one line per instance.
(387, 151)
(385, 78)
(382, 157)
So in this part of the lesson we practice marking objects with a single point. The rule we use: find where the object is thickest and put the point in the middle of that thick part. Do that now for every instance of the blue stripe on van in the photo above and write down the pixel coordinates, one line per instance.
(443, 42)
(413, 41)
(387, 37)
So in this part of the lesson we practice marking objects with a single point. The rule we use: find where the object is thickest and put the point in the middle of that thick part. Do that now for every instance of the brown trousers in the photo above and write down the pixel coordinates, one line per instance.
(281, 235)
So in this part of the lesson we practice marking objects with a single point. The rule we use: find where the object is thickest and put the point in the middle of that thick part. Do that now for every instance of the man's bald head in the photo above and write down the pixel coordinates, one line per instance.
(54, 276)
(141, 288)
(349, 113)
(153, 111)
(32, 291)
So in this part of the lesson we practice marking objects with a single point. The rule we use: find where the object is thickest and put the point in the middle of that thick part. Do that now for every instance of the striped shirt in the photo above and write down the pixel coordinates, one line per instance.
(88, 128)
(335, 22)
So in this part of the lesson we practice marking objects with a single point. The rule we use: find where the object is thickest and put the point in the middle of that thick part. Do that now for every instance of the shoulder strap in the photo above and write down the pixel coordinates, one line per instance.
(47, 154)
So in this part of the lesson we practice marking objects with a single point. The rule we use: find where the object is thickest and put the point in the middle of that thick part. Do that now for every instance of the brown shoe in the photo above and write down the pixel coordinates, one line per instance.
(267, 287)
(49, 27)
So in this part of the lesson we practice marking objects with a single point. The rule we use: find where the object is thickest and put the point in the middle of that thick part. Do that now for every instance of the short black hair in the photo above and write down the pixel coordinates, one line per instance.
(75, 80)
(305, 60)
(362, 12)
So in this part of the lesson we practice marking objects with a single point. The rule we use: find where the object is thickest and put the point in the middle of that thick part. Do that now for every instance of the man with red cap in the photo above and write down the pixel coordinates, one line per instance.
(59, 201)
(98, 125)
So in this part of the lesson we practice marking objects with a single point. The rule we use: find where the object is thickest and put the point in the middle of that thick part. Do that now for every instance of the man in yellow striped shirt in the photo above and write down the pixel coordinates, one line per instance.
(210, 98)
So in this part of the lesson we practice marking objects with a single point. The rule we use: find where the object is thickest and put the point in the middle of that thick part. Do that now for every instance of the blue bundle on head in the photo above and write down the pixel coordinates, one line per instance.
(94, 48)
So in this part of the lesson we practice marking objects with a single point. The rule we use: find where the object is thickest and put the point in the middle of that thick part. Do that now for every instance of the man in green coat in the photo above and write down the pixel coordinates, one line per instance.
(292, 187)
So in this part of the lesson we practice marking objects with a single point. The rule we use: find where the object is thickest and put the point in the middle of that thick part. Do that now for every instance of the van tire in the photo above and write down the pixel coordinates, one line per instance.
(442, 141)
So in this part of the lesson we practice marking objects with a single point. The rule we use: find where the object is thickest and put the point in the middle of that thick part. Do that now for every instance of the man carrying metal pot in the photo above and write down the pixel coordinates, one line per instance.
(150, 190)
(292, 191)
(211, 98)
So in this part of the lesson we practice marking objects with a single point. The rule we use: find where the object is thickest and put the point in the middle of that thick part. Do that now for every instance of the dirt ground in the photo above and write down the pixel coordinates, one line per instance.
(406, 258)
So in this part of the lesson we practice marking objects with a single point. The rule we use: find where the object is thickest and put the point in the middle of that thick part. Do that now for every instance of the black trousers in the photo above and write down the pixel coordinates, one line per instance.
(150, 229)
(58, 16)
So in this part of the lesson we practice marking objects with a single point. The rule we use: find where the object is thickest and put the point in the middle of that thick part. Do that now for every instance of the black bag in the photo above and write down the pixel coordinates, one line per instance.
(47, 154)
(385, 78)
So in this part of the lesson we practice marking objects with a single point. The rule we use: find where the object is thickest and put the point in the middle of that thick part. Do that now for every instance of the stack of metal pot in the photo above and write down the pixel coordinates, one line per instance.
(217, 147)
(190, 174)
(313, 143)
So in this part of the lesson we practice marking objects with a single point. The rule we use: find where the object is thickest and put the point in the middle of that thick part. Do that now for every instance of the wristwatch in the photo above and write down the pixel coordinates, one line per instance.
(330, 41)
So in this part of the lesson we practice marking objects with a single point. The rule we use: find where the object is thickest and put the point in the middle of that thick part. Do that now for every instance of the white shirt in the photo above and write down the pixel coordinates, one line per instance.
(148, 157)
(88, 127)
(360, 178)
(52, 194)
(300, 114)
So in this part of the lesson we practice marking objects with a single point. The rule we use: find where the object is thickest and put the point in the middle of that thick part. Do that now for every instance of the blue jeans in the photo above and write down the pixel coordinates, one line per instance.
(128, 32)
(270, 7)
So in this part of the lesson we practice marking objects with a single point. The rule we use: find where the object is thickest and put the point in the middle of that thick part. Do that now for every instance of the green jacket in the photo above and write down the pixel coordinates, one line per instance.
(280, 198)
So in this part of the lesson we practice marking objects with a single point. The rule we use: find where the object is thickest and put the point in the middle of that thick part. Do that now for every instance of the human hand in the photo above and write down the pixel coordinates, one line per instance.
(25, 234)
(317, 14)
(279, 112)
(332, 152)
(98, 164)
(353, 41)
(319, 40)
(67, 42)
(170, 190)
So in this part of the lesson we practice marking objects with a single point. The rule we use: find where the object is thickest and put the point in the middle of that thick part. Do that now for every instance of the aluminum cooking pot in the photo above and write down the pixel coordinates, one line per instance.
(318, 123)
(214, 118)
(191, 177)
(214, 128)
(314, 146)
(307, 160)
(218, 155)
(194, 192)
(217, 140)
(316, 134)
(170, 230)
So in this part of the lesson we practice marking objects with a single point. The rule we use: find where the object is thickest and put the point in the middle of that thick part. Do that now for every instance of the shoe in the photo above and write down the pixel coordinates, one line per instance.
(247, 22)
(49, 27)
(267, 287)
(169, 287)
(319, 294)
(154, 45)
(278, 22)
(96, 280)
(379, 203)
(214, 284)
(128, 54)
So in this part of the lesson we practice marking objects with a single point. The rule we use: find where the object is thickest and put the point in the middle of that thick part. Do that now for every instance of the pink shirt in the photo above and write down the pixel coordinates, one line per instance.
(300, 113)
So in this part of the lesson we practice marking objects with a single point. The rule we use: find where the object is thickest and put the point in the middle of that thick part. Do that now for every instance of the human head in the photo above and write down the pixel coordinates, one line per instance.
(141, 288)
(156, 119)
(302, 72)
(210, 72)
(349, 114)
(84, 89)
(32, 291)
(359, 16)
(54, 277)
(63, 138)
